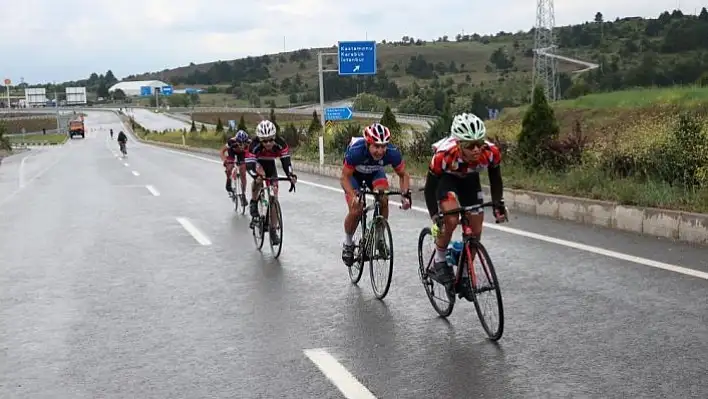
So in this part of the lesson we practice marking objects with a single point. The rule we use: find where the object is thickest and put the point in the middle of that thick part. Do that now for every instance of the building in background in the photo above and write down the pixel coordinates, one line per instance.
(132, 88)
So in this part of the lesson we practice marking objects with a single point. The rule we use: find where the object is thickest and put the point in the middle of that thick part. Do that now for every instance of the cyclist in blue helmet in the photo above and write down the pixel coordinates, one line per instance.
(234, 152)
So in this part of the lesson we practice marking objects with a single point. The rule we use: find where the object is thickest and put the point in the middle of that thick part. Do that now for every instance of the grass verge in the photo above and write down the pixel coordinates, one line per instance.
(14, 126)
(38, 138)
(583, 183)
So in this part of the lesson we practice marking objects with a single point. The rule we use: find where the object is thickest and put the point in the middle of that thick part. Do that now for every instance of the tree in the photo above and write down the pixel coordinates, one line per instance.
(219, 125)
(598, 17)
(119, 94)
(194, 127)
(4, 141)
(388, 119)
(272, 119)
(242, 124)
(203, 129)
(538, 128)
(315, 125)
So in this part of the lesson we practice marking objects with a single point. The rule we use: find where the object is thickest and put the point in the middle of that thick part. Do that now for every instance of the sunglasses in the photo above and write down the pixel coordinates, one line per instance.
(468, 145)
(267, 141)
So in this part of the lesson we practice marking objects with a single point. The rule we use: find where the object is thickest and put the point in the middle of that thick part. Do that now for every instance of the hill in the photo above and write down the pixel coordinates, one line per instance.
(418, 75)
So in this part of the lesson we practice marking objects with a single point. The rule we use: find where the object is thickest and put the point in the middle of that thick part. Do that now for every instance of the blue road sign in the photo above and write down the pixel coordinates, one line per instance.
(338, 114)
(166, 90)
(145, 90)
(357, 58)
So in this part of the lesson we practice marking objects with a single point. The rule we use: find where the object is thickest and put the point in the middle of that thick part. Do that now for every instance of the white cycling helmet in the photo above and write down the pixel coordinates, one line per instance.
(266, 129)
(468, 127)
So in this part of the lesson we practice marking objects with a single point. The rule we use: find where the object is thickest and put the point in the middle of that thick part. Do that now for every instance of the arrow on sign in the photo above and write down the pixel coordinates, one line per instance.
(356, 68)
(349, 113)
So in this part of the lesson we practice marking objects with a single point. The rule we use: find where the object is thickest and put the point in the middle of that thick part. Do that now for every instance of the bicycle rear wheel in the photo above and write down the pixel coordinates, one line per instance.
(442, 300)
(486, 283)
(379, 250)
(275, 208)
(357, 268)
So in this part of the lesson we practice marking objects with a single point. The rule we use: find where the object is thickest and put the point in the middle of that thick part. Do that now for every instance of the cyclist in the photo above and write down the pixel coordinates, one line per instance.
(453, 181)
(111, 133)
(122, 140)
(234, 151)
(260, 163)
(365, 160)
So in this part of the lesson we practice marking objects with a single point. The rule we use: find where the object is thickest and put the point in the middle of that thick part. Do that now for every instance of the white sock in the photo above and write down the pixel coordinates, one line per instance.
(440, 254)
(348, 239)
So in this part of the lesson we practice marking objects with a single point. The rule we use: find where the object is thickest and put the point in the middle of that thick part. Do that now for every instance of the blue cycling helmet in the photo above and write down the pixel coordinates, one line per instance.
(241, 136)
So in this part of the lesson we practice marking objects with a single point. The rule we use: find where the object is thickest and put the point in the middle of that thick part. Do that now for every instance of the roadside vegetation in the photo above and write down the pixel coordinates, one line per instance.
(15, 125)
(39, 138)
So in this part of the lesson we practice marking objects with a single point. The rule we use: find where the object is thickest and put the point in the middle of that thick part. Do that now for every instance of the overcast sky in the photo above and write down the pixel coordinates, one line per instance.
(47, 40)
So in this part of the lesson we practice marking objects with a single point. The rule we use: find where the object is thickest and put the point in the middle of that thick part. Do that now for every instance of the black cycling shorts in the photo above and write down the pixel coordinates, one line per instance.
(239, 157)
(467, 189)
(269, 167)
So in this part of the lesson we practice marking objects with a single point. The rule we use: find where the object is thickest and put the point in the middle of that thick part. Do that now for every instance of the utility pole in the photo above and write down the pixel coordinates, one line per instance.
(545, 65)
(321, 71)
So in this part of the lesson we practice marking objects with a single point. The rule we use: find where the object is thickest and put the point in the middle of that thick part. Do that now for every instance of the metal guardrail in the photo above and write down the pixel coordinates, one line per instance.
(115, 107)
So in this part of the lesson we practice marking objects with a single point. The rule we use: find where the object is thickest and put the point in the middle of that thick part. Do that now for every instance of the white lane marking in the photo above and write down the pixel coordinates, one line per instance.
(21, 172)
(136, 173)
(35, 177)
(126, 164)
(194, 231)
(347, 384)
(523, 233)
(153, 190)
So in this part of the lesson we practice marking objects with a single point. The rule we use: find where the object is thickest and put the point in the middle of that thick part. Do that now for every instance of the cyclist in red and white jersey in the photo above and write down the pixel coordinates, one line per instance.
(453, 181)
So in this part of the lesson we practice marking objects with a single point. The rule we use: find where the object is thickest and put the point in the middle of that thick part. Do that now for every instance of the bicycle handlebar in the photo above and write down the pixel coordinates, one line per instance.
(269, 181)
(378, 193)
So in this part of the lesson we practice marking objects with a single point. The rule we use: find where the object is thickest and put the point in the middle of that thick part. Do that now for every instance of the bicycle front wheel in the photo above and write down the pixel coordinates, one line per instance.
(440, 298)
(259, 227)
(487, 294)
(276, 227)
(357, 268)
(381, 255)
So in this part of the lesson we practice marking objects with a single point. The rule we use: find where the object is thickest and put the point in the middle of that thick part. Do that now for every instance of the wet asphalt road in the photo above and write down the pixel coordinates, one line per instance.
(104, 294)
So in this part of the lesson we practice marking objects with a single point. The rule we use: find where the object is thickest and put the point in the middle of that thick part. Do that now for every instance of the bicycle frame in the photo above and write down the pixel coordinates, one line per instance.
(468, 239)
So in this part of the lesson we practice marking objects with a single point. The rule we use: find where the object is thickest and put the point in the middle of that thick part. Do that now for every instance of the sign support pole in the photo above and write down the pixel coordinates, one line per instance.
(321, 71)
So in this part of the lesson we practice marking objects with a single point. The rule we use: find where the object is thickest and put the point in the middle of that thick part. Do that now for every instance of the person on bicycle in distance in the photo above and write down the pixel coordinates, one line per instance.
(122, 139)
(365, 160)
(234, 151)
(453, 181)
(260, 163)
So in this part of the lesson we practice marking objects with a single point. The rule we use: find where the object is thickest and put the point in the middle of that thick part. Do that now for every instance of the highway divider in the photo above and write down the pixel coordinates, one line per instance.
(677, 225)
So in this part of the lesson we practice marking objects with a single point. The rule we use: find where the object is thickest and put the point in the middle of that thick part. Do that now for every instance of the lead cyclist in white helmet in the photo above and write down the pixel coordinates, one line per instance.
(453, 181)
(260, 163)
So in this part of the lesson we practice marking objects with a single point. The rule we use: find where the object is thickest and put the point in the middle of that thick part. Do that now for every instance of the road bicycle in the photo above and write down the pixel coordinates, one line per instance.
(371, 245)
(122, 148)
(468, 283)
(270, 217)
(238, 192)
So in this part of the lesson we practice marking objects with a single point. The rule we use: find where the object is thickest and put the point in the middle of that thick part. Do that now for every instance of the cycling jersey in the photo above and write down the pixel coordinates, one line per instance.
(257, 153)
(122, 137)
(447, 158)
(358, 157)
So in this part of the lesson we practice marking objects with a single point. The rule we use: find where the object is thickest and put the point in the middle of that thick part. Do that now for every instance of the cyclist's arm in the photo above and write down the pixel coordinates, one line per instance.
(223, 153)
(399, 166)
(285, 156)
(345, 180)
(496, 185)
(251, 162)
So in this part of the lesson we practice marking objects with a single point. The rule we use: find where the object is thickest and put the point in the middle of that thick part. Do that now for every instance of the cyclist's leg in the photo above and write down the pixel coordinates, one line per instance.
(241, 162)
(228, 168)
(430, 193)
(379, 181)
(255, 188)
(271, 171)
(351, 220)
(471, 194)
(448, 196)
